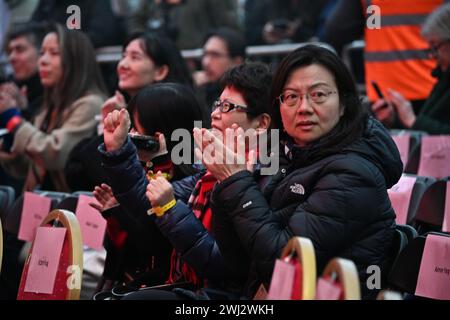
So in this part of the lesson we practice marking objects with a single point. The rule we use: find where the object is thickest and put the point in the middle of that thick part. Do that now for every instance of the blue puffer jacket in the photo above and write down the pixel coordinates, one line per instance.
(179, 225)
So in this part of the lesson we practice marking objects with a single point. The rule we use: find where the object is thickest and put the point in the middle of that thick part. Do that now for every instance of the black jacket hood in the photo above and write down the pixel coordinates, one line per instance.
(377, 146)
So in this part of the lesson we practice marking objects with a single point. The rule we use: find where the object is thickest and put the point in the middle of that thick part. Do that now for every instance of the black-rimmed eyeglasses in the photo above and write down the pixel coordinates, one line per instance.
(226, 106)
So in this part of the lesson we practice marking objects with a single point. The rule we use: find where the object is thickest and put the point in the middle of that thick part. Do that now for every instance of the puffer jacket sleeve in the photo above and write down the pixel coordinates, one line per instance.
(126, 177)
(191, 239)
(344, 192)
(128, 181)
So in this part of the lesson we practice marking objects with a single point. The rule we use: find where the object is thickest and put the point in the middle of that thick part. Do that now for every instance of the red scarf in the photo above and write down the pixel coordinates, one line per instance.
(199, 203)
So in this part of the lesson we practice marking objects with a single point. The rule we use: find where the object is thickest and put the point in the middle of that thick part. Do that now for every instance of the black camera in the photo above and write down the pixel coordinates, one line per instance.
(143, 142)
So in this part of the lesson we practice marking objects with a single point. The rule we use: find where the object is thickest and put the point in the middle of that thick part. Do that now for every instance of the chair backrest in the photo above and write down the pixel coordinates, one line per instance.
(12, 222)
(71, 255)
(430, 212)
(403, 235)
(302, 250)
(7, 195)
(420, 185)
(414, 149)
(69, 203)
(345, 273)
(404, 272)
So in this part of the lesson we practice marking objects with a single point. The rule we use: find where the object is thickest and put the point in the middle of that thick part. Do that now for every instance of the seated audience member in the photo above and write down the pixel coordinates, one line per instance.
(139, 252)
(336, 165)
(147, 59)
(22, 46)
(189, 223)
(223, 49)
(434, 115)
(73, 95)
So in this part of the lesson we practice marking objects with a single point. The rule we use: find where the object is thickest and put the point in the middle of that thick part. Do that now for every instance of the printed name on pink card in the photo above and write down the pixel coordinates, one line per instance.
(92, 224)
(402, 142)
(35, 209)
(282, 281)
(435, 156)
(434, 274)
(44, 260)
(400, 196)
(327, 290)
(446, 223)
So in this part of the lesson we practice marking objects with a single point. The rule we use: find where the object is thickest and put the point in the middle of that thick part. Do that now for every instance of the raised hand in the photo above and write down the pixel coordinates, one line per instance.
(403, 107)
(159, 191)
(221, 160)
(384, 112)
(115, 130)
(104, 195)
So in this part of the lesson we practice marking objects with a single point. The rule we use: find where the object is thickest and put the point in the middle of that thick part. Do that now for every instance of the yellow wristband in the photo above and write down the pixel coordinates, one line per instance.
(159, 211)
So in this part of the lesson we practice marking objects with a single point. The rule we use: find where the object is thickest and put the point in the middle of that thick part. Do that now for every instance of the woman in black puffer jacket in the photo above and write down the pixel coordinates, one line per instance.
(336, 164)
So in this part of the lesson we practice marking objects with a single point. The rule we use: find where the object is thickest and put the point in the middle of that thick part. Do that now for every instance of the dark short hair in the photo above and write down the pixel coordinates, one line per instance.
(233, 39)
(164, 107)
(33, 31)
(163, 51)
(353, 122)
(252, 80)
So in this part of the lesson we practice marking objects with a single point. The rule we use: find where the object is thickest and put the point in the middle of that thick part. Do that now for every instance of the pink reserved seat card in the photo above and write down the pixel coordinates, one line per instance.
(400, 196)
(92, 224)
(435, 157)
(44, 260)
(434, 274)
(327, 290)
(402, 142)
(282, 281)
(446, 223)
(35, 209)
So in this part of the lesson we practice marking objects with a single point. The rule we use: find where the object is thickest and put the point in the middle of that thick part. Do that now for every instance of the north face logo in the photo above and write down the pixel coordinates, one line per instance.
(297, 189)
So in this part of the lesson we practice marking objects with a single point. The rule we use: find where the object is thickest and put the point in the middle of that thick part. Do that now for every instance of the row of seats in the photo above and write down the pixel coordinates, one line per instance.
(411, 266)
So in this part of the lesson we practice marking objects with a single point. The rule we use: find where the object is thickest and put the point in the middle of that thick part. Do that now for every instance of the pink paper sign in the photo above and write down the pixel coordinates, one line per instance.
(400, 196)
(402, 142)
(92, 224)
(44, 260)
(434, 274)
(35, 209)
(327, 290)
(446, 223)
(282, 281)
(435, 157)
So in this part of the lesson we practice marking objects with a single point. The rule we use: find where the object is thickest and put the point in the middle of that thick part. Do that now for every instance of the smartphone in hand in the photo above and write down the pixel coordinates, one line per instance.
(144, 142)
(377, 89)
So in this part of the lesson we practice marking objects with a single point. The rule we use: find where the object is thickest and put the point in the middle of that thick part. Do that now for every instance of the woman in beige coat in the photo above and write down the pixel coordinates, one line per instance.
(74, 94)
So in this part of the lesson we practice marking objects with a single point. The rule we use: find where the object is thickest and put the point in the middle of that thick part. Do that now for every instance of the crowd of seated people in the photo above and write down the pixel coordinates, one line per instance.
(175, 156)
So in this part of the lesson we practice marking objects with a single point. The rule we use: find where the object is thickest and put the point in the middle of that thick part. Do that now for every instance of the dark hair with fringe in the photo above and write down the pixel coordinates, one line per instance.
(163, 51)
(352, 123)
(81, 74)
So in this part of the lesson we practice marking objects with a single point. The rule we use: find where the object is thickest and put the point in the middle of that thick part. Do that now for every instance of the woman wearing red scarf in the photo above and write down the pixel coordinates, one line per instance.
(182, 210)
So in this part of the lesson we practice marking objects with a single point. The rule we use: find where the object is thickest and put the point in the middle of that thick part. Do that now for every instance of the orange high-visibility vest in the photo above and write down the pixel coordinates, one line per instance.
(395, 55)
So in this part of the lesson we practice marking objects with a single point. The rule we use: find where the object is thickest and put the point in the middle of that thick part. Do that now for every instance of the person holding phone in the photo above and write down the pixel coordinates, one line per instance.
(434, 118)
